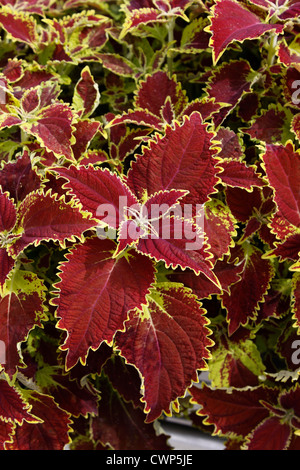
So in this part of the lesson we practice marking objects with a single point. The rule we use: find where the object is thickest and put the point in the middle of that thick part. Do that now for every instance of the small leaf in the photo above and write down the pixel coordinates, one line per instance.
(86, 94)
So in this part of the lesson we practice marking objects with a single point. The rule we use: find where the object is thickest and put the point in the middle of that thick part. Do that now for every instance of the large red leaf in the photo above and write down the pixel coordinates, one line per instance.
(154, 91)
(47, 217)
(232, 22)
(181, 159)
(238, 174)
(113, 287)
(167, 341)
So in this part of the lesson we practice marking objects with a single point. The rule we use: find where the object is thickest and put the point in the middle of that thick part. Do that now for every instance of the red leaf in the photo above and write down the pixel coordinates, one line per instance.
(232, 22)
(21, 27)
(6, 431)
(219, 227)
(243, 301)
(113, 286)
(139, 116)
(181, 159)
(237, 412)
(238, 174)
(21, 308)
(167, 342)
(13, 408)
(8, 213)
(85, 131)
(226, 86)
(288, 249)
(116, 64)
(51, 434)
(153, 92)
(7, 120)
(18, 178)
(142, 16)
(227, 274)
(86, 95)
(31, 6)
(123, 426)
(271, 127)
(282, 166)
(95, 187)
(271, 434)
(230, 144)
(6, 265)
(45, 217)
(53, 129)
(179, 244)
(73, 398)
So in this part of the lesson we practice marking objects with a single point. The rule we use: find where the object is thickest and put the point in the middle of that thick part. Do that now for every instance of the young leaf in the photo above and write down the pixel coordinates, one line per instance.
(86, 94)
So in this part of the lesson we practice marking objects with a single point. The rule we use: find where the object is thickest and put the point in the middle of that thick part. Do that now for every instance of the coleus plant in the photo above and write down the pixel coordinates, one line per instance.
(108, 310)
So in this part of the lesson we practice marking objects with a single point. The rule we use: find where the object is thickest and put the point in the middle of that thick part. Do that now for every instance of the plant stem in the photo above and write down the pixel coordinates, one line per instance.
(171, 27)
(272, 49)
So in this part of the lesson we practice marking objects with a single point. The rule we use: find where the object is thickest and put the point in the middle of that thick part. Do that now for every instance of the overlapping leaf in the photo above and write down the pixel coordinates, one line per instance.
(232, 22)
(21, 309)
(52, 433)
(47, 217)
(162, 167)
(114, 286)
(243, 301)
(167, 343)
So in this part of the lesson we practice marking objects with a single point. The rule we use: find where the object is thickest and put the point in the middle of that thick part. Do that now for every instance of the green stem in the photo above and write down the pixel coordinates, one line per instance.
(171, 27)
(272, 49)
(24, 137)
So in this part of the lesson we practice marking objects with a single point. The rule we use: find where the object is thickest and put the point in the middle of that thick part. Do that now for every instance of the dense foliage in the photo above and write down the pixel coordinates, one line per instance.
(105, 323)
